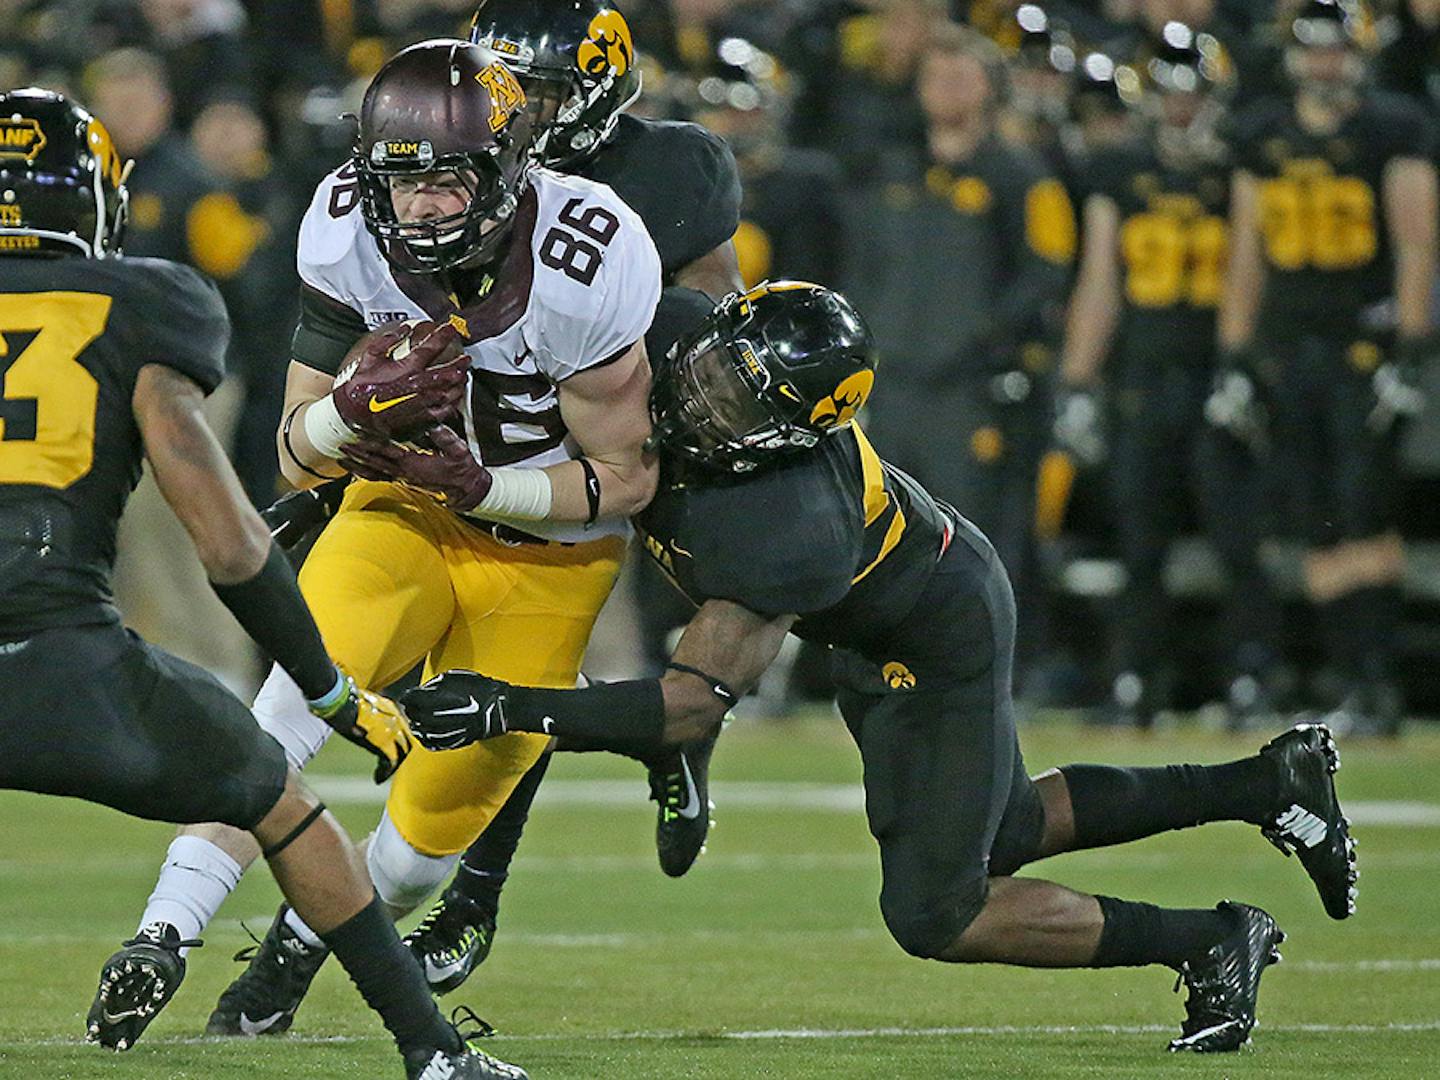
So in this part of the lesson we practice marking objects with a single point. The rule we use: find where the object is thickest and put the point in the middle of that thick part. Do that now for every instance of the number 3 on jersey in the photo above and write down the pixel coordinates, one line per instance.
(47, 398)
(574, 255)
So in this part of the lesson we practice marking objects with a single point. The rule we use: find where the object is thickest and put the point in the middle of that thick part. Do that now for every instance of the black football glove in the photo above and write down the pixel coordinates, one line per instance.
(370, 721)
(292, 517)
(456, 709)
(1079, 427)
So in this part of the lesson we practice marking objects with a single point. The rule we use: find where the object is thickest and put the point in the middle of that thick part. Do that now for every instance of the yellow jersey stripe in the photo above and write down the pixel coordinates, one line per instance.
(892, 537)
(876, 497)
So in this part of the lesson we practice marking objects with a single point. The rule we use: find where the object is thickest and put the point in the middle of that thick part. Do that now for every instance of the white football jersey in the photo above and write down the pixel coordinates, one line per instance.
(578, 287)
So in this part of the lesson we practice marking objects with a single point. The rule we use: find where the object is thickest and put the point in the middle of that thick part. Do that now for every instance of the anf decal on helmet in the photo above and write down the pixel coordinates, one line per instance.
(507, 97)
(840, 407)
(608, 47)
(21, 137)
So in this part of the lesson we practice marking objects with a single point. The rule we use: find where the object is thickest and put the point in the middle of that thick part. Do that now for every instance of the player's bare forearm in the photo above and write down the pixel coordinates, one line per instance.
(716, 273)
(607, 411)
(1410, 208)
(301, 464)
(196, 477)
(1245, 271)
(1094, 307)
(729, 643)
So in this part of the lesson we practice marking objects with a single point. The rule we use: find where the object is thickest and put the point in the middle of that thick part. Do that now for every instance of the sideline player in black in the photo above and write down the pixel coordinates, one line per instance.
(1150, 276)
(1326, 310)
(104, 360)
(775, 515)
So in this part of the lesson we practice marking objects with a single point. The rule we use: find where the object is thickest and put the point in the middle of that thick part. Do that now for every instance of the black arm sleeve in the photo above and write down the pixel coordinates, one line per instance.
(326, 330)
(272, 611)
(630, 712)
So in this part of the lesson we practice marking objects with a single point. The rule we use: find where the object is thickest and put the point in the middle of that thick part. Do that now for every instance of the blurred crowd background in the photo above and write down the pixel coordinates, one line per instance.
(840, 113)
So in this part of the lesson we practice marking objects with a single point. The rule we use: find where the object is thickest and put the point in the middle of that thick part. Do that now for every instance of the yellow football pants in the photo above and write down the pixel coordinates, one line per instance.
(396, 578)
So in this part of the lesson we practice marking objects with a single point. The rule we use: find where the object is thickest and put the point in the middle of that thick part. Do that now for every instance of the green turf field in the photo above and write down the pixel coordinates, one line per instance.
(769, 959)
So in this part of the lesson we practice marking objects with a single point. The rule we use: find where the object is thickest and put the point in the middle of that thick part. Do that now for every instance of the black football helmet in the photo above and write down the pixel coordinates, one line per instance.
(576, 60)
(443, 106)
(62, 184)
(1187, 81)
(769, 371)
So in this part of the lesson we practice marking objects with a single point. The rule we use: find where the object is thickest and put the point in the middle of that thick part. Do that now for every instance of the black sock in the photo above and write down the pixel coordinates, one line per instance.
(486, 864)
(1373, 615)
(1136, 934)
(1115, 805)
(390, 980)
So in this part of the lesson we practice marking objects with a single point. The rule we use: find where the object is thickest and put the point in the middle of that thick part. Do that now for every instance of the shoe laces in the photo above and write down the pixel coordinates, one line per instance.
(669, 790)
(452, 926)
(468, 1025)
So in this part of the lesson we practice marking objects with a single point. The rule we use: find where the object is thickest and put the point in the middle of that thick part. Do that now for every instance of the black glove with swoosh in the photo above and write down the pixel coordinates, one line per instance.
(456, 709)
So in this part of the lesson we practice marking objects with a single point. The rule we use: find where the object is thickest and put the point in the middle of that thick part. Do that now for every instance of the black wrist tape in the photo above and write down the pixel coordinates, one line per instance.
(592, 491)
(718, 688)
(272, 611)
(632, 711)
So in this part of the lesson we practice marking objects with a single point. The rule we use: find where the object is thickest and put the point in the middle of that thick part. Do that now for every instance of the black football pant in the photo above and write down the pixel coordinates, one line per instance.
(946, 792)
(1166, 459)
(98, 714)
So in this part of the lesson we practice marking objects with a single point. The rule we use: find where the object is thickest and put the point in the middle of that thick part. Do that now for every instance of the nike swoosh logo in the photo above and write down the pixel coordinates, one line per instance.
(381, 406)
(258, 1027)
(115, 1018)
(548, 723)
(435, 973)
(466, 710)
(692, 797)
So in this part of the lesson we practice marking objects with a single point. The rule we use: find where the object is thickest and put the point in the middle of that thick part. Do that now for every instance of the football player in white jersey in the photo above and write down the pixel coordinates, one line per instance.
(517, 410)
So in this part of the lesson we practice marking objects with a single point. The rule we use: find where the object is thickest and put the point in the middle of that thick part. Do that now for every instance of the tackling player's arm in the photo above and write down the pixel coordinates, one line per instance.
(716, 273)
(1409, 194)
(723, 652)
(1245, 271)
(1095, 304)
(247, 571)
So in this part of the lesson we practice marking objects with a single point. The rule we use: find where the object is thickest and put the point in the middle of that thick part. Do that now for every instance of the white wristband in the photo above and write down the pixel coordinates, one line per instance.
(325, 430)
(522, 494)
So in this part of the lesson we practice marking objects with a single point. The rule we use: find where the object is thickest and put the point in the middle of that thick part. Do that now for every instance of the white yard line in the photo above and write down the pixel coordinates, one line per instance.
(780, 1034)
(798, 795)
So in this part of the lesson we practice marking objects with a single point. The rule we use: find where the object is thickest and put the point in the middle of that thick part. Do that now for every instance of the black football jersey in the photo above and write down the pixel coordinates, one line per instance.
(679, 178)
(1173, 232)
(74, 334)
(833, 535)
(1325, 234)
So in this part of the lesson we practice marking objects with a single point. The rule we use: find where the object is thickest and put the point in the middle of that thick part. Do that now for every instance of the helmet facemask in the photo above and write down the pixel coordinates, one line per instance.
(471, 236)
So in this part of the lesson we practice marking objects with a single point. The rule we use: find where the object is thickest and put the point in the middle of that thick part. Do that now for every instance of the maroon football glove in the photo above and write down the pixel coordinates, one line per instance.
(404, 380)
(448, 471)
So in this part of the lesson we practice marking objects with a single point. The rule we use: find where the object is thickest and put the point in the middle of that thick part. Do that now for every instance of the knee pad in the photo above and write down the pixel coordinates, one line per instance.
(927, 928)
(282, 713)
(402, 876)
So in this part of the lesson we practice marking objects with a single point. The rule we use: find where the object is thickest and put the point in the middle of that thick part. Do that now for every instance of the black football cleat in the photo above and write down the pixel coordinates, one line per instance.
(680, 783)
(464, 1060)
(1224, 983)
(1309, 821)
(135, 984)
(265, 997)
(452, 941)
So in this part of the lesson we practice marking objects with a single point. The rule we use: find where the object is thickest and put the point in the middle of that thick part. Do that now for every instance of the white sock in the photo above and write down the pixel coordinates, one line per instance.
(281, 711)
(304, 932)
(194, 881)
